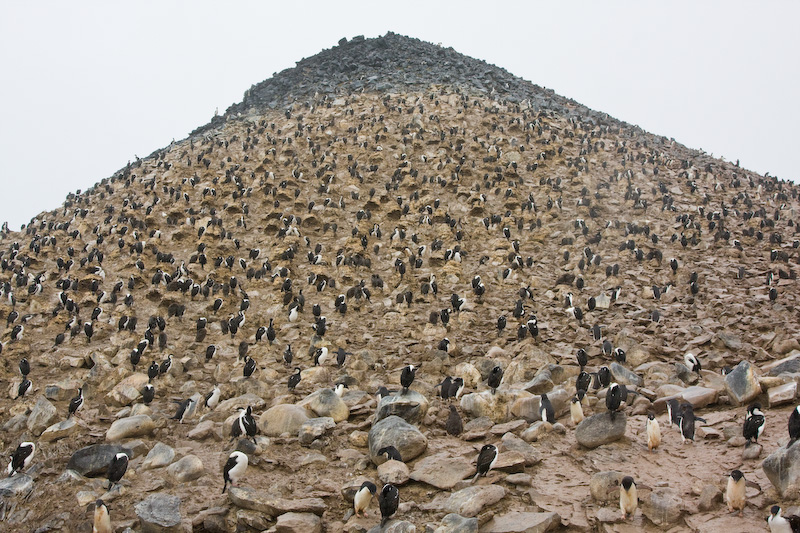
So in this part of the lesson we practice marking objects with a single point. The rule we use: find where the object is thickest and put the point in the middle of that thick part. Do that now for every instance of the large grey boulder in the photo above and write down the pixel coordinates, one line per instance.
(742, 383)
(325, 402)
(17, 485)
(442, 471)
(528, 407)
(394, 526)
(782, 468)
(92, 461)
(129, 427)
(186, 469)
(283, 418)
(623, 376)
(455, 523)
(159, 513)
(663, 507)
(128, 390)
(160, 455)
(42, 415)
(599, 429)
(410, 406)
(470, 501)
(394, 431)
(495, 406)
(523, 522)
(315, 428)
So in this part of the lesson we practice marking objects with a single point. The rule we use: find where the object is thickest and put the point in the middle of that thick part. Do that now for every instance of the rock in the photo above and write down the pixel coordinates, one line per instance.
(298, 523)
(495, 406)
(159, 513)
(604, 486)
(752, 452)
(696, 395)
(710, 496)
(186, 469)
(731, 341)
(12, 486)
(394, 431)
(513, 443)
(63, 390)
(663, 507)
(315, 428)
(790, 364)
(42, 415)
(607, 515)
(522, 522)
(455, 523)
(62, 429)
(471, 500)
(394, 526)
(394, 472)
(325, 403)
(541, 383)
(411, 407)
(132, 426)
(536, 431)
(128, 390)
(782, 468)
(259, 500)
(202, 431)
(160, 455)
(528, 407)
(92, 461)
(742, 383)
(623, 376)
(442, 471)
(599, 429)
(782, 394)
(283, 418)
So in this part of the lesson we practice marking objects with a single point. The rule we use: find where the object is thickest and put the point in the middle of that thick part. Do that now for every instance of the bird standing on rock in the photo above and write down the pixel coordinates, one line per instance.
(294, 379)
(486, 460)
(388, 501)
(75, 403)
(407, 377)
(21, 458)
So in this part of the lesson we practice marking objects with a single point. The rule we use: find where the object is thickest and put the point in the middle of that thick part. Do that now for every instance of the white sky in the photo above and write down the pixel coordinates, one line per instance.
(84, 86)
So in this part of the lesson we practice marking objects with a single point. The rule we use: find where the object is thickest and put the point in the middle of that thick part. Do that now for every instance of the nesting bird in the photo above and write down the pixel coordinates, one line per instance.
(692, 363)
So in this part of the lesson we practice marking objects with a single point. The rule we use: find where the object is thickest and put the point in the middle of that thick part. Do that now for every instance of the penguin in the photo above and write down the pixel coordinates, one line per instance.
(338, 390)
(116, 469)
(212, 398)
(363, 497)
(486, 460)
(582, 357)
(692, 362)
(628, 499)
(603, 377)
(320, 356)
(24, 387)
(407, 377)
(185, 409)
(288, 355)
(341, 357)
(456, 388)
(211, 350)
(782, 524)
(249, 366)
(501, 324)
(794, 426)
(686, 423)
(245, 425)
(576, 408)
(294, 379)
(391, 453)
(388, 501)
(674, 412)
(583, 382)
(234, 469)
(88, 330)
(546, 411)
(165, 365)
(75, 403)
(735, 492)
(653, 432)
(148, 393)
(619, 355)
(135, 357)
(454, 426)
(495, 378)
(444, 345)
(753, 424)
(24, 367)
(102, 521)
(152, 371)
(21, 458)
(445, 385)
(614, 397)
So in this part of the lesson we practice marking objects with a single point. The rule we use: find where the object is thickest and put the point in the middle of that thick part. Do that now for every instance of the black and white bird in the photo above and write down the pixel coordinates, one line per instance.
(735, 495)
(185, 409)
(245, 425)
(495, 378)
(486, 460)
(456, 388)
(234, 469)
(341, 356)
(576, 408)
(628, 499)
(211, 350)
(249, 366)
(653, 432)
(674, 412)
(407, 377)
(212, 398)
(388, 501)
(102, 520)
(692, 363)
(166, 364)
(148, 393)
(363, 497)
(21, 458)
(24, 367)
(320, 356)
(75, 403)
(782, 524)
(390, 453)
(288, 355)
(546, 411)
(583, 381)
(294, 379)
(615, 395)
(24, 387)
(687, 419)
(582, 357)
(117, 468)
(753, 424)
(619, 355)
(152, 370)
(454, 425)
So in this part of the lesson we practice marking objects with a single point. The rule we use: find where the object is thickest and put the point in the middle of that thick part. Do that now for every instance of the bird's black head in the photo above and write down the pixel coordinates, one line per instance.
(627, 481)
(370, 486)
(774, 510)
(651, 416)
(736, 475)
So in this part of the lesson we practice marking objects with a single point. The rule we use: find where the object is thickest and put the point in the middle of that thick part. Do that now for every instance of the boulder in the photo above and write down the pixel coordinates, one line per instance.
(186, 469)
(19, 484)
(663, 507)
(455, 523)
(42, 416)
(93, 461)
(283, 418)
(394, 472)
(160, 455)
(522, 522)
(127, 391)
(411, 407)
(63, 390)
(742, 383)
(159, 513)
(59, 430)
(495, 406)
(132, 426)
(394, 526)
(604, 486)
(394, 431)
(513, 443)
(298, 523)
(599, 429)
(470, 501)
(259, 500)
(325, 402)
(442, 471)
(782, 394)
(623, 376)
(528, 407)
(782, 468)
(315, 428)
(202, 431)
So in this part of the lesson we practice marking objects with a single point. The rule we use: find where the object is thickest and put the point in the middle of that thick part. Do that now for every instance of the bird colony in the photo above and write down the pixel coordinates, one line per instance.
(431, 310)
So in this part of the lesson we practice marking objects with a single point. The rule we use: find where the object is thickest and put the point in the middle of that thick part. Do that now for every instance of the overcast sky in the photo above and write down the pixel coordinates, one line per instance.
(86, 86)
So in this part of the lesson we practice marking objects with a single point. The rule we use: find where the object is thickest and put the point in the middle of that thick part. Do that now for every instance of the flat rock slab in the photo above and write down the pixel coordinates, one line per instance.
(298, 523)
(442, 471)
(470, 501)
(57, 431)
(411, 407)
(779, 395)
(599, 429)
(455, 523)
(782, 468)
(696, 395)
(19, 484)
(129, 427)
(394, 472)
(257, 500)
(522, 522)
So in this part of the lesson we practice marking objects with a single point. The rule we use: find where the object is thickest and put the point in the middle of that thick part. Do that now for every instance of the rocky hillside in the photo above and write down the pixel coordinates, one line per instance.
(390, 202)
